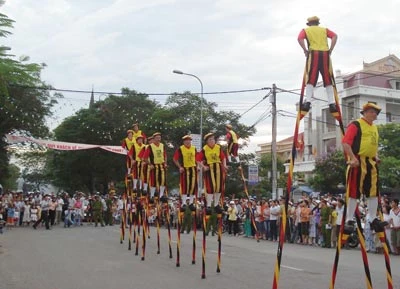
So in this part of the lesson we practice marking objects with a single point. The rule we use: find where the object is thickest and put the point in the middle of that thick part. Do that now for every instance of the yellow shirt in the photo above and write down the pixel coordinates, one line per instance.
(369, 139)
(158, 153)
(317, 38)
(138, 149)
(212, 154)
(129, 143)
(188, 156)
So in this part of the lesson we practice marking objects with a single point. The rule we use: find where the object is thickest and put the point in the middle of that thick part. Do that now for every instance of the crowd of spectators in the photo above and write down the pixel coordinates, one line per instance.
(310, 221)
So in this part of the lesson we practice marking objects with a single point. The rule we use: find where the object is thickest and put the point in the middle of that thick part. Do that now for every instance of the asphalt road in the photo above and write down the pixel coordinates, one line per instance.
(88, 257)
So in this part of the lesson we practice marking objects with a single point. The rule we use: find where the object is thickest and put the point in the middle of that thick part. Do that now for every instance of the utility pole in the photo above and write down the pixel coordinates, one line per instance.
(273, 143)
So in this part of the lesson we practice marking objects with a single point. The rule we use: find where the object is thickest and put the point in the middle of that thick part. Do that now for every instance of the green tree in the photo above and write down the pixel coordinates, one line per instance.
(389, 140)
(389, 167)
(33, 163)
(264, 171)
(105, 123)
(10, 183)
(24, 99)
(329, 172)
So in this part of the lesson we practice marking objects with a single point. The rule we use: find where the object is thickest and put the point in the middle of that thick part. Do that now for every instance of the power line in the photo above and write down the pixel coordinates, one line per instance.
(149, 94)
(371, 75)
(286, 113)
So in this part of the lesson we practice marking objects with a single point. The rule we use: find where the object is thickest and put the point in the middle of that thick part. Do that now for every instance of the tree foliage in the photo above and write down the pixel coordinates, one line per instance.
(329, 172)
(264, 187)
(24, 99)
(106, 122)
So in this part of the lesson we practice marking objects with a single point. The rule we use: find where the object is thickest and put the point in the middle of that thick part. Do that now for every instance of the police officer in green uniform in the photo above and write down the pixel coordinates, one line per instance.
(98, 211)
(187, 218)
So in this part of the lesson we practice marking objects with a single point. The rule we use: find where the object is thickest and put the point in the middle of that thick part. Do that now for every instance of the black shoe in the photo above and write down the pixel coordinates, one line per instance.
(183, 208)
(218, 209)
(306, 106)
(348, 227)
(378, 225)
(34, 227)
(333, 108)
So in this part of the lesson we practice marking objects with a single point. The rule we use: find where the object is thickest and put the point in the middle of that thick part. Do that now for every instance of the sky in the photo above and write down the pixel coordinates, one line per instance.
(230, 45)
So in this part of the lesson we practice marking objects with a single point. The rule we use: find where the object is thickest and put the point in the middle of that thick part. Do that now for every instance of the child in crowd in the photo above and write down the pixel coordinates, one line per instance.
(34, 213)
(10, 215)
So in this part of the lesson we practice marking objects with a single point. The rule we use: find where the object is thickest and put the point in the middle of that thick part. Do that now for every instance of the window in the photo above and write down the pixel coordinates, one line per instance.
(330, 121)
(397, 85)
(388, 117)
(350, 110)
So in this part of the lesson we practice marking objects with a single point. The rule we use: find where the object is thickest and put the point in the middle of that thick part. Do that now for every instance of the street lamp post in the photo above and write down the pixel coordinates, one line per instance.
(201, 119)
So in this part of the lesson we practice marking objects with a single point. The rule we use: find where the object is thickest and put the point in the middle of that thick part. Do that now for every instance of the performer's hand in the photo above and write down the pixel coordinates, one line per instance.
(353, 162)
(206, 168)
(377, 160)
(226, 168)
(181, 170)
(151, 167)
(305, 52)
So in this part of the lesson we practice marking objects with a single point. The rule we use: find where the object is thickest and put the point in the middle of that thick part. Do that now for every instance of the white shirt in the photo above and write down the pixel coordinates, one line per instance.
(339, 215)
(60, 203)
(274, 212)
(395, 218)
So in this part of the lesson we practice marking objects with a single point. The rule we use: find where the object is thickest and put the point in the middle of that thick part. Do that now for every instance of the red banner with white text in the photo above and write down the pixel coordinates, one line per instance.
(64, 146)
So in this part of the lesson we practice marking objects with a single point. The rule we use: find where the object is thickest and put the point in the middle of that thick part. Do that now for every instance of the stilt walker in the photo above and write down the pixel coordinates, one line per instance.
(136, 161)
(360, 144)
(233, 145)
(127, 144)
(304, 107)
(145, 179)
(233, 158)
(185, 159)
(213, 163)
(156, 158)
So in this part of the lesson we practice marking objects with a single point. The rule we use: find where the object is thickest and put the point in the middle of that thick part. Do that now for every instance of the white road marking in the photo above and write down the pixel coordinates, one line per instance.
(292, 268)
(216, 252)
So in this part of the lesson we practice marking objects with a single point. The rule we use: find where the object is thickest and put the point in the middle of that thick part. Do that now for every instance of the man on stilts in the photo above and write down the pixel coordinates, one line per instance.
(233, 145)
(213, 163)
(318, 54)
(185, 160)
(138, 132)
(127, 144)
(136, 163)
(360, 144)
(156, 158)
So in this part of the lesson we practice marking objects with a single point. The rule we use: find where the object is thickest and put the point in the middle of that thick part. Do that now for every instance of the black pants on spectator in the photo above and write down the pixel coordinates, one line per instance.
(21, 217)
(274, 230)
(44, 216)
(52, 217)
(233, 226)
